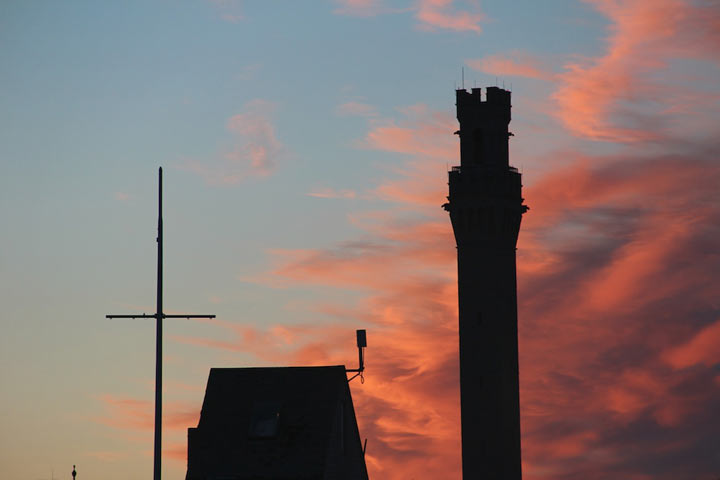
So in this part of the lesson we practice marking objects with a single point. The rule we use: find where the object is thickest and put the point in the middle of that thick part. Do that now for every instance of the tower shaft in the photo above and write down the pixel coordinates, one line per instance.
(486, 206)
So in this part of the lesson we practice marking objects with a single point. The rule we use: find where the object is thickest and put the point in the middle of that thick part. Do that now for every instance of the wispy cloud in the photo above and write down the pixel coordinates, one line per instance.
(619, 96)
(362, 8)
(701, 349)
(254, 151)
(133, 414)
(516, 64)
(356, 109)
(441, 14)
(460, 16)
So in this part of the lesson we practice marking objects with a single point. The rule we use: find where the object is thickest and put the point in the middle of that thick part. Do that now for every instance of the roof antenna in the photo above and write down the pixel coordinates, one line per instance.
(361, 343)
(463, 77)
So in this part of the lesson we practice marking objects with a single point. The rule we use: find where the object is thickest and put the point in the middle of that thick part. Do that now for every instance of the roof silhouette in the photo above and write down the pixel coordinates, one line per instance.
(276, 423)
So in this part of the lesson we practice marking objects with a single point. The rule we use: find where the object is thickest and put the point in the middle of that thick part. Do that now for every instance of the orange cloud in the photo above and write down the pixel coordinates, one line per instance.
(133, 414)
(501, 65)
(700, 349)
(434, 14)
(424, 137)
(619, 95)
(176, 452)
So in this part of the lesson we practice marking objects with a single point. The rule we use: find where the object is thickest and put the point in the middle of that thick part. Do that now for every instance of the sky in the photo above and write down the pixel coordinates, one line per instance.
(305, 148)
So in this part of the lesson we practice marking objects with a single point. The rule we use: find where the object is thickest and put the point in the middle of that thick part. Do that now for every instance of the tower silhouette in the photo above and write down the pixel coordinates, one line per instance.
(486, 206)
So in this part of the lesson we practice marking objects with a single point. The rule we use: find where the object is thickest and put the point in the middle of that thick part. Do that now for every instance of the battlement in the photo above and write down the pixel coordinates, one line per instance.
(484, 126)
(493, 96)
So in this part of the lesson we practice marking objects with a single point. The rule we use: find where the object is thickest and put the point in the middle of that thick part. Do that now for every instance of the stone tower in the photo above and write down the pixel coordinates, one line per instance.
(486, 206)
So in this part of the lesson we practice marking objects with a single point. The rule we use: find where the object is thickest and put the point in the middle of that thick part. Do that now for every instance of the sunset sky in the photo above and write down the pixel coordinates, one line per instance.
(305, 146)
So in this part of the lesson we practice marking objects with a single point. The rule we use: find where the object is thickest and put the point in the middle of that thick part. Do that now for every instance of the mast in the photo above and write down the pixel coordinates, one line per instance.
(159, 316)
(157, 451)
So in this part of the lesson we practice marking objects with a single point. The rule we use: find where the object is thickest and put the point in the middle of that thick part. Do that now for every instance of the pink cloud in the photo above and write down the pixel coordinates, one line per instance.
(606, 307)
(423, 137)
(439, 14)
(522, 65)
(702, 348)
(597, 95)
(254, 151)
(431, 14)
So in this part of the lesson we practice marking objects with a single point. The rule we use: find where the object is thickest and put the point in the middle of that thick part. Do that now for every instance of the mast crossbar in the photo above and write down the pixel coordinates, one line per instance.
(145, 315)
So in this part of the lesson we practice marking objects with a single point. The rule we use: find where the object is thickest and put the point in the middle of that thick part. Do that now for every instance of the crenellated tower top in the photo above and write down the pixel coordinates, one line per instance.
(483, 127)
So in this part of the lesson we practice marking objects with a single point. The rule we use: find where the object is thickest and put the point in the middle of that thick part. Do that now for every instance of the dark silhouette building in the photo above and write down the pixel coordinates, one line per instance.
(281, 423)
(486, 206)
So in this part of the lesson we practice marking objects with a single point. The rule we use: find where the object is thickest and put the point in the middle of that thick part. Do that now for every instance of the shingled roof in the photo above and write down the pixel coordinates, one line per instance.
(280, 423)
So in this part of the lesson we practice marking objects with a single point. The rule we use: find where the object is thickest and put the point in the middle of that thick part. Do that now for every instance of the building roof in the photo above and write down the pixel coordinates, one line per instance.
(276, 423)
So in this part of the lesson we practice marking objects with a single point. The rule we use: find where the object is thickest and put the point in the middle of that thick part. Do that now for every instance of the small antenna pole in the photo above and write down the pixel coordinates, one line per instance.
(361, 344)
(463, 77)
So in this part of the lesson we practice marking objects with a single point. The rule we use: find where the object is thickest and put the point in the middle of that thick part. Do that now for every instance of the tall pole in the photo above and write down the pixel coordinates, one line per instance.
(158, 340)
(159, 316)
